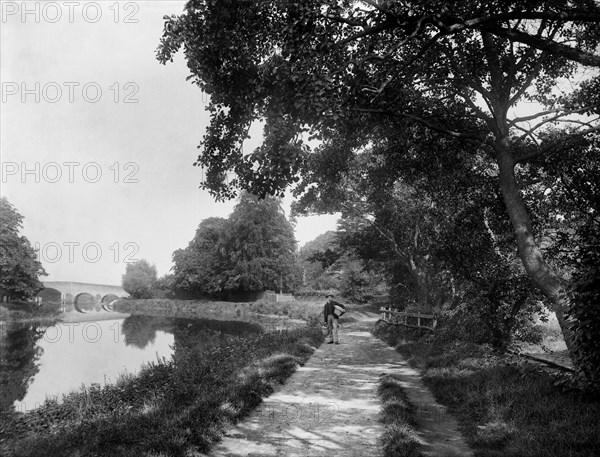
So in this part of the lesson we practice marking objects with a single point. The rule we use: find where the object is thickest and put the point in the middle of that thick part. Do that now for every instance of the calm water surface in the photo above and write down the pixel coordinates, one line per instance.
(48, 359)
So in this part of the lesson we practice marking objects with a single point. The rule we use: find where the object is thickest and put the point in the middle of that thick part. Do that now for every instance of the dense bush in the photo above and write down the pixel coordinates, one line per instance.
(585, 313)
(485, 322)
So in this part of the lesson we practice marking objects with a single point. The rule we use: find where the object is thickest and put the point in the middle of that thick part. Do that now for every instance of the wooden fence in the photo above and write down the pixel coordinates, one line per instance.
(413, 320)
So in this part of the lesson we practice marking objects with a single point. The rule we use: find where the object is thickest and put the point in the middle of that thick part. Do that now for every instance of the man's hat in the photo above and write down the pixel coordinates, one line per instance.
(328, 295)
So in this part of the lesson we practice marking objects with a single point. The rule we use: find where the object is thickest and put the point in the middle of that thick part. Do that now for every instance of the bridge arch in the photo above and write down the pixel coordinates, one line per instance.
(107, 302)
(109, 298)
(84, 302)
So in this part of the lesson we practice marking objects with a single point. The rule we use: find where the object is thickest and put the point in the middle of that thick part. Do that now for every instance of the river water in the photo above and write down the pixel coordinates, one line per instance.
(46, 359)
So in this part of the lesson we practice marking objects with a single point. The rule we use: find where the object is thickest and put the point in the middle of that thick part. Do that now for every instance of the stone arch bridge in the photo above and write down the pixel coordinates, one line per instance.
(80, 296)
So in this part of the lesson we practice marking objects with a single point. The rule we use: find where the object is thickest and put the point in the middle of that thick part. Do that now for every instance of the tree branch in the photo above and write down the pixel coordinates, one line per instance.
(571, 16)
(346, 21)
(387, 25)
(516, 120)
(549, 46)
(413, 59)
(469, 136)
(553, 144)
(530, 77)
(558, 117)
(387, 236)
(487, 24)
(381, 8)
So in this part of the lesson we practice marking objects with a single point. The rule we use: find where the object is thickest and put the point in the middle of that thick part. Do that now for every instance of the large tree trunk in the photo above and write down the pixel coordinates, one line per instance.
(551, 284)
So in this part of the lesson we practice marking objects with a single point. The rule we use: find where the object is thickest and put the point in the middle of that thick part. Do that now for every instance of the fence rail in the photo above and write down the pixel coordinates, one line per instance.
(413, 320)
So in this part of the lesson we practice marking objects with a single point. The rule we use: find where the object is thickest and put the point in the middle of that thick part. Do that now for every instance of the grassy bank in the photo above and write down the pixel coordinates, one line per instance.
(505, 406)
(22, 311)
(399, 438)
(172, 408)
(305, 310)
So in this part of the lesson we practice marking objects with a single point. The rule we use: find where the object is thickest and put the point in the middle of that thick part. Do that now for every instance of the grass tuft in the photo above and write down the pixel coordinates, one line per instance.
(398, 416)
(495, 434)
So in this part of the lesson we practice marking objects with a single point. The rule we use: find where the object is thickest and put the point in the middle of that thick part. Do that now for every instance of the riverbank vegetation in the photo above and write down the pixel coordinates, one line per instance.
(173, 407)
(299, 310)
(19, 311)
(505, 406)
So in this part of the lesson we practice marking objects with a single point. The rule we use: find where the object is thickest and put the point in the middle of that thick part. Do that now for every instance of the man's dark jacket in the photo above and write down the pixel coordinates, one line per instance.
(329, 308)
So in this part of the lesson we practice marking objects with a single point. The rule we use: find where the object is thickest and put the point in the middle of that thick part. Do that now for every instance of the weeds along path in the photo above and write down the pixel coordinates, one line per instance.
(330, 405)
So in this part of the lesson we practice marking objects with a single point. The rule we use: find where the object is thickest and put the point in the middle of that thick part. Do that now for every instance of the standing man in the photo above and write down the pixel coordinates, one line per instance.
(331, 312)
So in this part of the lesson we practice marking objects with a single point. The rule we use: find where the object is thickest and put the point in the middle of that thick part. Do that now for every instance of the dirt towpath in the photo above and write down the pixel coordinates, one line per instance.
(330, 405)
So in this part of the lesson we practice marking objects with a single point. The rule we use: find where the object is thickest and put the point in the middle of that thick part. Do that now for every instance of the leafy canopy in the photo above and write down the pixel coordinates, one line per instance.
(455, 67)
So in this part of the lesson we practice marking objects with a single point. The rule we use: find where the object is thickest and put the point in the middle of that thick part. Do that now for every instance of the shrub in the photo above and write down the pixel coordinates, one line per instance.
(585, 312)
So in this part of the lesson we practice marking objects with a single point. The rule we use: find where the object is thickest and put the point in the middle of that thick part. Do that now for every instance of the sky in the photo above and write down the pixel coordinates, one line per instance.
(97, 138)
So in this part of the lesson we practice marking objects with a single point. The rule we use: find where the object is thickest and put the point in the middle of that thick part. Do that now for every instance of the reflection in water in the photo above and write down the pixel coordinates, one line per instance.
(19, 358)
(139, 331)
(84, 353)
(40, 361)
(85, 303)
(209, 333)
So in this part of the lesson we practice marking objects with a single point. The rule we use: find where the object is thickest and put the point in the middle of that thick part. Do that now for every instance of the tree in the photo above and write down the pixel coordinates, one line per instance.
(259, 247)
(457, 69)
(164, 286)
(139, 279)
(197, 268)
(251, 251)
(19, 268)
(316, 259)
